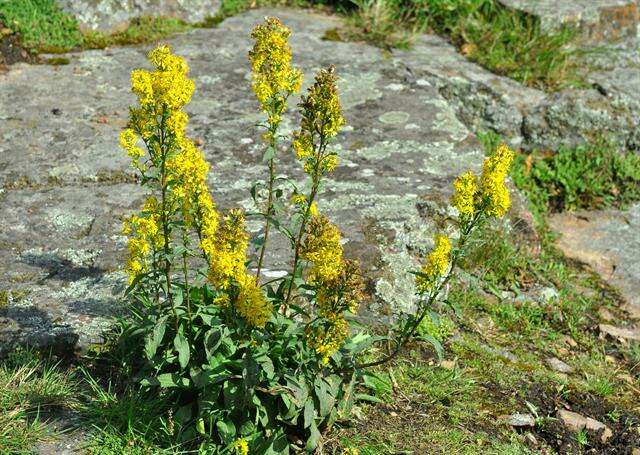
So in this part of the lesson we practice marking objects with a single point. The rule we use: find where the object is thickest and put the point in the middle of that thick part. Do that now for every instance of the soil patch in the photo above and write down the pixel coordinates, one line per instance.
(11, 50)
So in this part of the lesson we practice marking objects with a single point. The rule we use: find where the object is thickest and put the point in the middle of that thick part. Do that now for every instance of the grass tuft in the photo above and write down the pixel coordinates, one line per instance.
(29, 390)
(594, 176)
(43, 26)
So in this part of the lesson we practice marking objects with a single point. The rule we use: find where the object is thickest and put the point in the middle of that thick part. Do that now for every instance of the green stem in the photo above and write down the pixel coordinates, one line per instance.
(411, 326)
(314, 191)
(269, 213)
(165, 216)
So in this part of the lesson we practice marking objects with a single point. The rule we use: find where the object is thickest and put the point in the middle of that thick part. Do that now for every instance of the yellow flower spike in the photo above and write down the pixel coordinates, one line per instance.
(251, 302)
(492, 181)
(466, 189)
(274, 79)
(227, 251)
(321, 109)
(323, 250)
(436, 264)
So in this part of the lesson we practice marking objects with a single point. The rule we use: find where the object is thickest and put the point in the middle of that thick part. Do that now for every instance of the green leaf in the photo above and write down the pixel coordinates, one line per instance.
(250, 370)
(437, 346)
(182, 346)
(226, 430)
(154, 339)
(269, 154)
(365, 397)
(309, 413)
(314, 437)
(166, 381)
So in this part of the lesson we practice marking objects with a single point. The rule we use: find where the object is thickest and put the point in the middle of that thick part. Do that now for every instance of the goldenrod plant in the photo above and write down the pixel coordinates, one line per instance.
(256, 366)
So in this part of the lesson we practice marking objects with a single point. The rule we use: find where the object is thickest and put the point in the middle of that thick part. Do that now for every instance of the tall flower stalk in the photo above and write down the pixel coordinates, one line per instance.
(321, 121)
(274, 81)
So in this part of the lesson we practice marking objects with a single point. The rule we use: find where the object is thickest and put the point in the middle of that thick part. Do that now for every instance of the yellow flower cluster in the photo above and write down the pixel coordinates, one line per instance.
(321, 109)
(327, 338)
(226, 251)
(300, 200)
(144, 237)
(273, 77)
(338, 285)
(490, 194)
(492, 181)
(128, 141)
(436, 265)
(241, 446)
(323, 250)
(168, 87)
(466, 189)
(251, 303)
(322, 117)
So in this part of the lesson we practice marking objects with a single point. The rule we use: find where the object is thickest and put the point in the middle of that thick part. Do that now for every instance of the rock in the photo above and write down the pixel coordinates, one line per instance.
(576, 422)
(573, 117)
(559, 366)
(607, 241)
(597, 21)
(635, 451)
(519, 420)
(626, 333)
(448, 364)
(113, 15)
(605, 314)
(599, 427)
(66, 185)
(572, 420)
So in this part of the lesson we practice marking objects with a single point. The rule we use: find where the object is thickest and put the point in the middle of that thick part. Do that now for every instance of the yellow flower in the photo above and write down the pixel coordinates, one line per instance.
(327, 337)
(241, 446)
(144, 235)
(492, 182)
(302, 145)
(273, 77)
(323, 250)
(176, 123)
(321, 109)
(436, 265)
(251, 302)
(466, 189)
(227, 250)
(142, 85)
(350, 451)
(128, 141)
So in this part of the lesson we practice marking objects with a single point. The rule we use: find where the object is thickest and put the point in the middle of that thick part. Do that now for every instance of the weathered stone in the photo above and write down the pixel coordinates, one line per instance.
(627, 333)
(111, 15)
(597, 20)
(559, 365)
(576, 422)
(66, 185)
(519, 420)
(574, 117)
(608, 242)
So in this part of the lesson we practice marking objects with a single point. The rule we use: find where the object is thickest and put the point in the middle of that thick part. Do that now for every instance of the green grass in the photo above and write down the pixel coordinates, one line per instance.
(593, 176)
(43, 26)
(141, 30)
(505, 41)
(30, 390)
